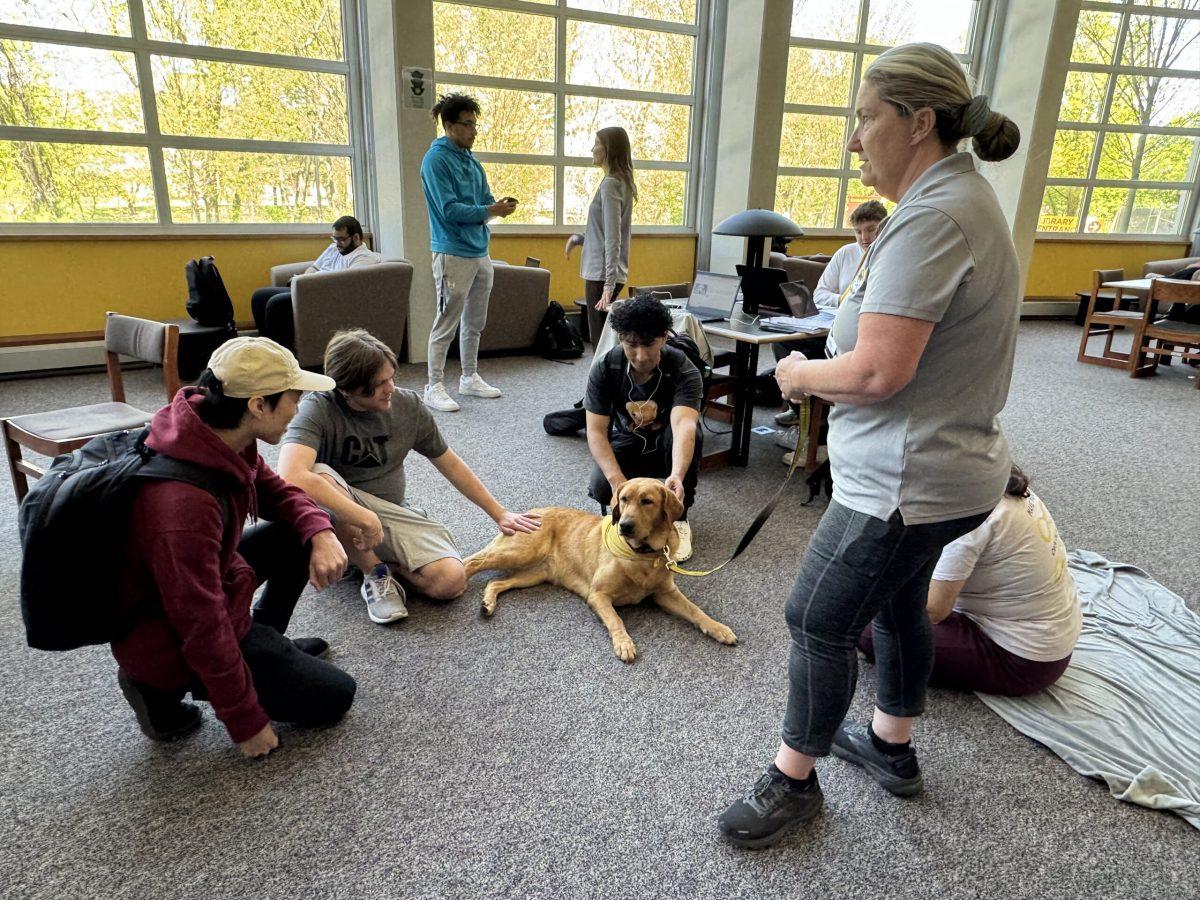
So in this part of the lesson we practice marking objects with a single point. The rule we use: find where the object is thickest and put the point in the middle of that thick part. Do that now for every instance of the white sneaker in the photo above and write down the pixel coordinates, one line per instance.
(385, 598)
(474, 386)
(788, 458)
(787, 418)
(684, 552)
(437, 398)
(789, 438)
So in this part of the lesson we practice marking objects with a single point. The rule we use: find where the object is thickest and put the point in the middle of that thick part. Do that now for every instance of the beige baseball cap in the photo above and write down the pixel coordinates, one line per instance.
(259, 367)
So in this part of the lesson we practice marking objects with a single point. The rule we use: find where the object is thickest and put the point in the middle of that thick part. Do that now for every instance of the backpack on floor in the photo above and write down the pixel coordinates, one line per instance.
(77, 516)
(557, 336)
(208, 301)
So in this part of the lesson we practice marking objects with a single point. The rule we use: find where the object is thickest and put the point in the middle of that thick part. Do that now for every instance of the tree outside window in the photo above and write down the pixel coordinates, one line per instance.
(1125, 153)
(82, 142)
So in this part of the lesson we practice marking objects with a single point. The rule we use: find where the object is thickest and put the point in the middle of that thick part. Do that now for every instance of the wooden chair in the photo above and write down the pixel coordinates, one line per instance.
(1164, 338)
(1097, 322)
(63, 430)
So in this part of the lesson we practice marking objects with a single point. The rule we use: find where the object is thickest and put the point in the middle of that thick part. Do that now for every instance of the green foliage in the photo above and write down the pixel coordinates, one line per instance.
(508, 44)
(1150, 99)
(58, 86)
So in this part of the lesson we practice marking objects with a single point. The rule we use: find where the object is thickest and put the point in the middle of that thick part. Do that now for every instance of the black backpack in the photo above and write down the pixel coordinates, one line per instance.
(684, 343)
(79, 511)
(557, 336)
(208, 301)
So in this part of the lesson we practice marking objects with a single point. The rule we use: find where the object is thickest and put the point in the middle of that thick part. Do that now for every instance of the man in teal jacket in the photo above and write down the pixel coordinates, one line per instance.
(460, 204)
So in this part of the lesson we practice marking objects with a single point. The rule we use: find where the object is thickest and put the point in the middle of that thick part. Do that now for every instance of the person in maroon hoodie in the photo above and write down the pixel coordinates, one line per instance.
(190, 570)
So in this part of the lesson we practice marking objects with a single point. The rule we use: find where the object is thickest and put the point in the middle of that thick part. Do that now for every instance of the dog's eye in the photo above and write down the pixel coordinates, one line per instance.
(646, 501)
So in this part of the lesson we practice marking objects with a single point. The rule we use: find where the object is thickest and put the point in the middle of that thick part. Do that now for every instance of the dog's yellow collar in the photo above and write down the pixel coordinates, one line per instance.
(618, 547)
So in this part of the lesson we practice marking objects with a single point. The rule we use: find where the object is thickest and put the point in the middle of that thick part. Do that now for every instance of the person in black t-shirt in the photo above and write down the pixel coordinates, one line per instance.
(643, 411)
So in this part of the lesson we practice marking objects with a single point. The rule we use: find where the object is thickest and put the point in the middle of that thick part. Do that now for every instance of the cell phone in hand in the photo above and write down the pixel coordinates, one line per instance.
(509, 200)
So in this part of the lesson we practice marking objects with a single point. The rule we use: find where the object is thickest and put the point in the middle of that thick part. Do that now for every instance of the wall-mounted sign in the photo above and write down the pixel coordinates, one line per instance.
(416, 84)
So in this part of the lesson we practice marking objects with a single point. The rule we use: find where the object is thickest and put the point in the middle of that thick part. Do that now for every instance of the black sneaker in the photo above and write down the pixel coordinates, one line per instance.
(161, 716)
(313, 646)
(771, 809)
(899, 775)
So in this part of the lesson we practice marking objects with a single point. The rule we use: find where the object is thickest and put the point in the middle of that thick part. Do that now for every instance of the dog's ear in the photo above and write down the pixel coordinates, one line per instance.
(616, 505)
(672, 505)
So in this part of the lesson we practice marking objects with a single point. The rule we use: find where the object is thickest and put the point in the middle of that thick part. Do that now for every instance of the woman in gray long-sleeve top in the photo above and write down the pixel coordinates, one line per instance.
(604, 262)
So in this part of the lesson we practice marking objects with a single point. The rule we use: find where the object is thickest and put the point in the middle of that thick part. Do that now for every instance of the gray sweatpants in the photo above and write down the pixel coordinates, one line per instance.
(463, 288)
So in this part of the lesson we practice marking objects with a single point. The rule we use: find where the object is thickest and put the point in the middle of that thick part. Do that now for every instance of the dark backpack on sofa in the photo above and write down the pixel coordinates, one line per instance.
(208, 301)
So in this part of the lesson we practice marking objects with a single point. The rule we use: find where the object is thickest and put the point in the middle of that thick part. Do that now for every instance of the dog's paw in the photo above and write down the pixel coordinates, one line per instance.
(722, 633)
(488, 607)
(623, 647)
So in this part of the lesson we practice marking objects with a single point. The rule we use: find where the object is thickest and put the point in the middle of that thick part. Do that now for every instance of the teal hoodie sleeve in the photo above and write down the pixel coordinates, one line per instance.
(441, 193)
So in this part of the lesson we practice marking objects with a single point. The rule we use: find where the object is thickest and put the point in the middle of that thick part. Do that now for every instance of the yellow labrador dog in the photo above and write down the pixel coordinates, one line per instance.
(609, 563)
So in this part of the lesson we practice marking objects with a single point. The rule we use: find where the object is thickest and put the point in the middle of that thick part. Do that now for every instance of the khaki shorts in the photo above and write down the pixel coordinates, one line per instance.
(410, 538)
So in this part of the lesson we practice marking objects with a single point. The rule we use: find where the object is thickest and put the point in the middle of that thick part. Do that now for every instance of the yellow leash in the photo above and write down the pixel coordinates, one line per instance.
(619, 547)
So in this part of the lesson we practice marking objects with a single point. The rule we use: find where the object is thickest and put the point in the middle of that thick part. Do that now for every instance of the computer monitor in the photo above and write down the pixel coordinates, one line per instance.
(713, 296)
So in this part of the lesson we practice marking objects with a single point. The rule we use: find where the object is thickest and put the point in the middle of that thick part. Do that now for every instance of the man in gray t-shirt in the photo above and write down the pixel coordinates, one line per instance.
(346, 448)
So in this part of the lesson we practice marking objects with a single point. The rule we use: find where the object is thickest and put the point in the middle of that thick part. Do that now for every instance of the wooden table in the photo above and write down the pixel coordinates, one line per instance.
(1133, 285)
(747, 337)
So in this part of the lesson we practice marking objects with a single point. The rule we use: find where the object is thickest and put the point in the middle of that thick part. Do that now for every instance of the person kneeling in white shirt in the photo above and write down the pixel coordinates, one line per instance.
(1002, 603)
(272, 306)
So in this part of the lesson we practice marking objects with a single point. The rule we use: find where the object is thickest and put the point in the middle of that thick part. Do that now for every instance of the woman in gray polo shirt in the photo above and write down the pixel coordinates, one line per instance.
(925, 339)
(604, 261)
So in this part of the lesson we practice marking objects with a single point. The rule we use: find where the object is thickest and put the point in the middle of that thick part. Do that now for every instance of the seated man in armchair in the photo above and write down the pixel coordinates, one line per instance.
(272, 306)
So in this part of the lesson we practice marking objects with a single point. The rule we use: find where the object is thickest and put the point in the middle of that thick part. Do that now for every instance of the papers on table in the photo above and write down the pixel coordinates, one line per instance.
(822, 321)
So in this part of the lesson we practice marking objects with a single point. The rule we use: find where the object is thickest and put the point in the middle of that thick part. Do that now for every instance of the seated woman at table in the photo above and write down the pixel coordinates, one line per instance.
(1003, 605)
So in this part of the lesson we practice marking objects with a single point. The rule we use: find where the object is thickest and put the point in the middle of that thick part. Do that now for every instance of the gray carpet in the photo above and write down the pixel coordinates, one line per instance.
(518, 757)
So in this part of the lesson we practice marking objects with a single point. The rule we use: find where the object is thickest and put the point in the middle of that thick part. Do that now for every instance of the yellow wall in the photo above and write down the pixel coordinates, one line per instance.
(65, 286)
(1060, 268)
(53, 287)
(653, 259)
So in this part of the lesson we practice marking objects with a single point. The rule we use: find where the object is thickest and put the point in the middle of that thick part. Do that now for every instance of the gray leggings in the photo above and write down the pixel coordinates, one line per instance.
(860, 569)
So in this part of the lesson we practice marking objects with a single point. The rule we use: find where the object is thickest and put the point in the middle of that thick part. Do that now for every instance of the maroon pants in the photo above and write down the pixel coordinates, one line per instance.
(966, 659)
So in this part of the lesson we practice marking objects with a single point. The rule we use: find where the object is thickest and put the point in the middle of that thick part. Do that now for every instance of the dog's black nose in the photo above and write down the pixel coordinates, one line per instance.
(626, 527)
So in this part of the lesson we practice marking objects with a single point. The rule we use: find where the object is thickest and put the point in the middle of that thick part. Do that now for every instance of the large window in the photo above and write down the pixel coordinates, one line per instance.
(832, 42)
(176, 112)
(1125, 152)
(550, 74)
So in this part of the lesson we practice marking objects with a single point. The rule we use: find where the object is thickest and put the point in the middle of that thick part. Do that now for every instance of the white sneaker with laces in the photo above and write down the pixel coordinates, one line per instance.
(474, 386)
(787, 418)
(684, 551)
(437, 398)
(789, 438)
(385, 598)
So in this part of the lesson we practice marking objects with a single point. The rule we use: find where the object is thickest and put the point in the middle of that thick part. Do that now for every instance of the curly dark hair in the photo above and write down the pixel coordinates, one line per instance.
(643, 318)
(1018, 482)
(450, 106)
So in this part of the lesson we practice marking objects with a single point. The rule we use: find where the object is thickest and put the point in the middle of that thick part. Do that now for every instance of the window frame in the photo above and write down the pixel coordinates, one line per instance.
(1101, 128)
(142, 47)
(981, 25)
(560, 88)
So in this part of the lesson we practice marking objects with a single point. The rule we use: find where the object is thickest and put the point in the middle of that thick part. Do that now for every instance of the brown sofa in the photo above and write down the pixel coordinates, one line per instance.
(371, 297)
(799, 268)
(520, 295)
(1167, 266)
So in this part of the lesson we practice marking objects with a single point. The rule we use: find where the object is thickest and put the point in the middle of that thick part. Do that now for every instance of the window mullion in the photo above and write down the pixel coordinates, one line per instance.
(145, 72)
(560, 113)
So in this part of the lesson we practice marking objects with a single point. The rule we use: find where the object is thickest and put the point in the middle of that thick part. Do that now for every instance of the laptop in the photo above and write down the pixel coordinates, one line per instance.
(713, 296)
(760, 289)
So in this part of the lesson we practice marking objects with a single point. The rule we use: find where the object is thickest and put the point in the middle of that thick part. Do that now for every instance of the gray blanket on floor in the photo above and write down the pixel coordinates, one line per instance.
(1127, 710)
